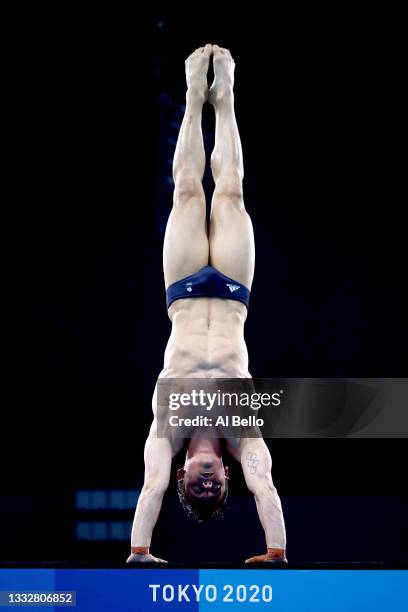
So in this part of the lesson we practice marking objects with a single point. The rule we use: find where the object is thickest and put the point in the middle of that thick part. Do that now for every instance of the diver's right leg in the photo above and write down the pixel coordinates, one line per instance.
(232, 248)
(185, 248)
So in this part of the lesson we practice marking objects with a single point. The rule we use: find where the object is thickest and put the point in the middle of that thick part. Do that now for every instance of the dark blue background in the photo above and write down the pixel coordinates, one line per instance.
(86, 325)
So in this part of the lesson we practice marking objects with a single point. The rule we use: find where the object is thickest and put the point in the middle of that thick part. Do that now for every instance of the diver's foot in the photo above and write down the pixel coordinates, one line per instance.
(224, 66)
(196, 74)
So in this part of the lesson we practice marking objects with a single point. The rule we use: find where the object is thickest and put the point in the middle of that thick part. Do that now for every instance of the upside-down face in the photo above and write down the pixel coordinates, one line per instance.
(204, 477)
(204, 484)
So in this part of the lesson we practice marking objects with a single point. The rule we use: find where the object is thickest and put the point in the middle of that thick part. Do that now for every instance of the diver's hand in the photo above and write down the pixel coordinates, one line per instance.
(144, 558)
(273, 555)
(141, 554)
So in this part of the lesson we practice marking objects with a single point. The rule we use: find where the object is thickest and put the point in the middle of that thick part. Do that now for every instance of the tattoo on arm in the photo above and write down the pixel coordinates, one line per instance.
(252, 462)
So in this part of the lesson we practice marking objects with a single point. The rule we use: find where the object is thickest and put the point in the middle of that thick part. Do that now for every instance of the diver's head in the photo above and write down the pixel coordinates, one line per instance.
(202, 484)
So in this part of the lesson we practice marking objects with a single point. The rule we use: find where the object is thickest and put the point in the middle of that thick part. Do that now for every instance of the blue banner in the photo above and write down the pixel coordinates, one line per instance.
(134, 590)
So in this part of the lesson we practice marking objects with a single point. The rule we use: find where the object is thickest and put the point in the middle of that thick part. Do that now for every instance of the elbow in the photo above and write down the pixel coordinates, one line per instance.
(263, 487)
(154, 489)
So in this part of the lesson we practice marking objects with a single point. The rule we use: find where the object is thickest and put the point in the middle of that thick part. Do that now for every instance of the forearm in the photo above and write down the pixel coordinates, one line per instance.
(270, 514)
(257, 466)
(146, 515)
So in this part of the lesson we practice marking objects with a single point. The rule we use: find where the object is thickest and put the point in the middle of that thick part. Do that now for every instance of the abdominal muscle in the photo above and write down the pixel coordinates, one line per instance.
(207, 340)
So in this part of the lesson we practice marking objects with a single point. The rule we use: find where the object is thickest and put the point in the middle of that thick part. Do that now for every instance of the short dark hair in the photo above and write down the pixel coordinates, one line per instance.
(199, 510)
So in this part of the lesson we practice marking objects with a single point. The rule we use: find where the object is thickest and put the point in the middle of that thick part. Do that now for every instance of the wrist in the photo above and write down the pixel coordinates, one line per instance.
(276, 553)
(139, 550)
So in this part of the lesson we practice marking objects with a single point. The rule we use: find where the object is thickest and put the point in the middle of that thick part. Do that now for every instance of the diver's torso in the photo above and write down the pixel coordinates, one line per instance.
(207, 340)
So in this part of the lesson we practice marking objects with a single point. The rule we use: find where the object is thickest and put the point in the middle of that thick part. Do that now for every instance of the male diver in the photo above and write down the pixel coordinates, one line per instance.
(201, 264)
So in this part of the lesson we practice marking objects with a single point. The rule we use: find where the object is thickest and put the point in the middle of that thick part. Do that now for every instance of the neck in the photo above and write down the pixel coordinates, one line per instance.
(203, 445)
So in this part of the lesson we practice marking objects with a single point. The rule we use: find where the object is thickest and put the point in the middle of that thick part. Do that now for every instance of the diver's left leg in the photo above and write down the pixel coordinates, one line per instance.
(232, 248)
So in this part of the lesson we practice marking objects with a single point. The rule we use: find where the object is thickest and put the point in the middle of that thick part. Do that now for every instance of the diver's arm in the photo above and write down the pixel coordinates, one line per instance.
(257, 464)
(157, 457)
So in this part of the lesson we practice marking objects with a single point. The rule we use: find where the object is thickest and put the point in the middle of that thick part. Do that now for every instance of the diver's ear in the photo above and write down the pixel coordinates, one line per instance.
(180, 473)
(226, 471)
